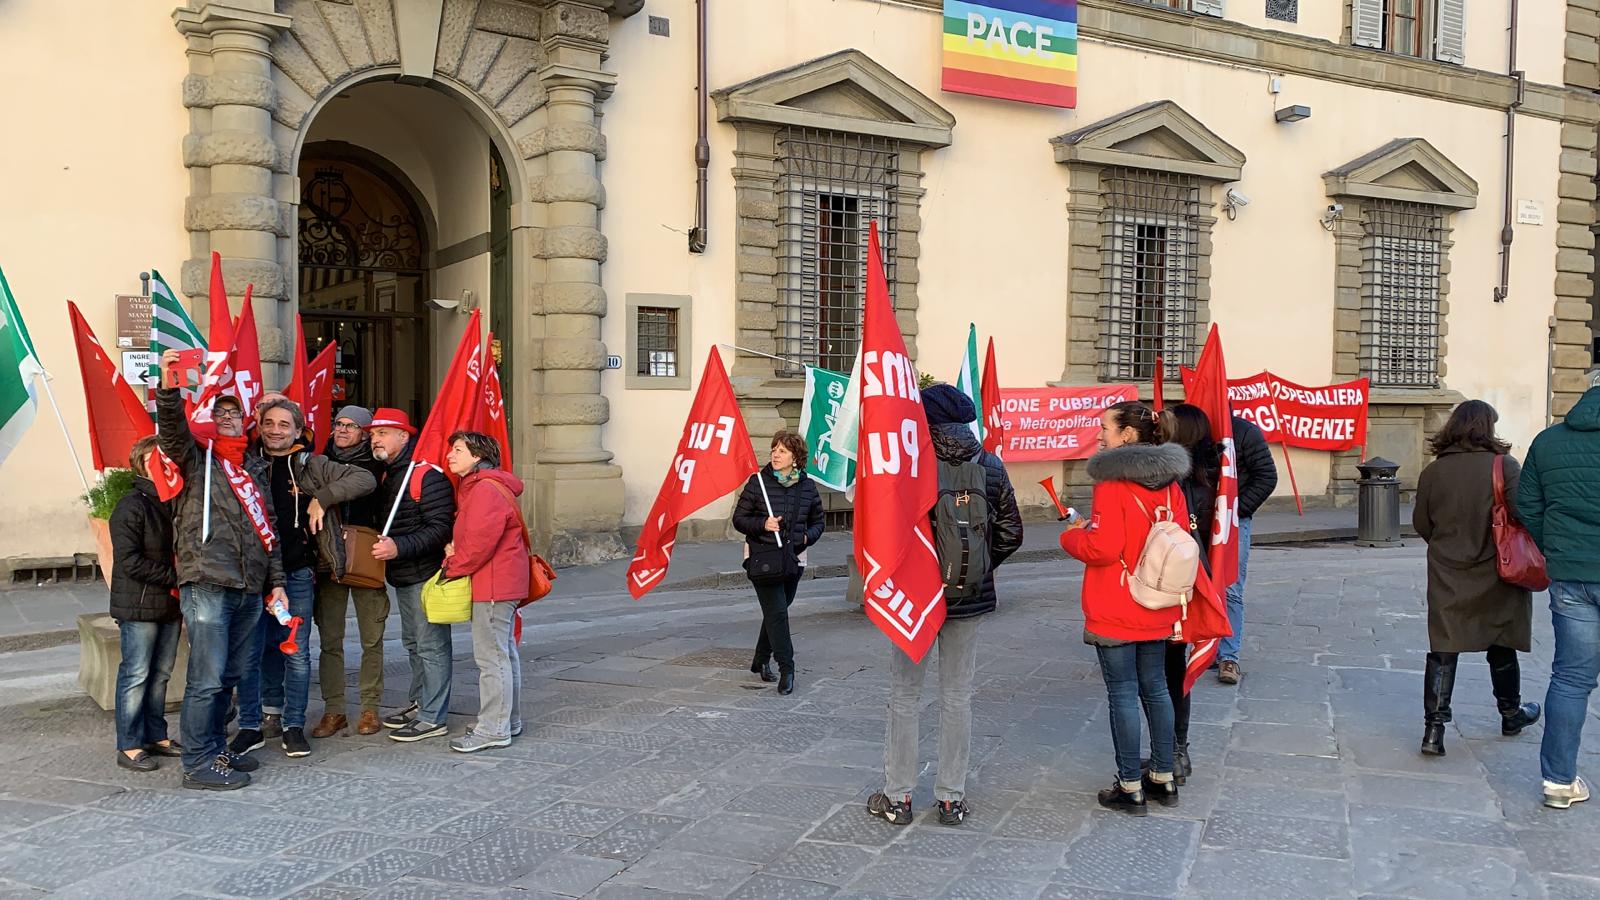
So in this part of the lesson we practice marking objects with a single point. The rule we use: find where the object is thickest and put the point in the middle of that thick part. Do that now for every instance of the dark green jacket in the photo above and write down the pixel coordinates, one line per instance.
(1559, 498)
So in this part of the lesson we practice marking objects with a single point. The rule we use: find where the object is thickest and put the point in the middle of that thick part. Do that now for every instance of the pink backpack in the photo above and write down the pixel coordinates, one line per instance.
(1168, 565)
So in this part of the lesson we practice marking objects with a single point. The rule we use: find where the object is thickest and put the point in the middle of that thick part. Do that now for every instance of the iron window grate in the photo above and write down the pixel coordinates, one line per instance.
(1149, 269)
(658, 341)
(832, 185)
(1402, 255)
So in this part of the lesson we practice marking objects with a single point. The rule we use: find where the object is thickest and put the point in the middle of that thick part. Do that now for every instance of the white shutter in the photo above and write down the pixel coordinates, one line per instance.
(1206, 7)
(1366, 23)
(1450, 32)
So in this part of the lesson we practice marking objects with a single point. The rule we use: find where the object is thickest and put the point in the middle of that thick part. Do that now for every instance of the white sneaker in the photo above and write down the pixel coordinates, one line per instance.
(1561, 796)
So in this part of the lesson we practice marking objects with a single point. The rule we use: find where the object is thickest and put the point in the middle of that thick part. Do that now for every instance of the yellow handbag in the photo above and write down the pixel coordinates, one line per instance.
(446, 601)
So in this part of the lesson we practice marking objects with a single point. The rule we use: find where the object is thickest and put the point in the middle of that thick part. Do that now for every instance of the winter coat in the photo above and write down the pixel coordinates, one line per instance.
(956, 444)
(1125, 477)
(366, 510)
(1258, 474)
(1559, 498)
(234, 557)
(487, 538)
(333, 485)
(799, 504)
(1469, 607)
(143, 571)
(421, 527)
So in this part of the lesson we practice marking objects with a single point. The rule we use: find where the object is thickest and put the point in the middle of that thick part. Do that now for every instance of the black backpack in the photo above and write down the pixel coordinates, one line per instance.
(961, 522)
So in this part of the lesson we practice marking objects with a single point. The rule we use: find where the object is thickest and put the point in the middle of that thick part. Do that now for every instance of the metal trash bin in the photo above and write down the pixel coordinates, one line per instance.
(1378, 504)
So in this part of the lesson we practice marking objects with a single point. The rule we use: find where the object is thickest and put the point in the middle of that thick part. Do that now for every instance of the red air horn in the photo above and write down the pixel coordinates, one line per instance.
(1067, 513)
(280, 611)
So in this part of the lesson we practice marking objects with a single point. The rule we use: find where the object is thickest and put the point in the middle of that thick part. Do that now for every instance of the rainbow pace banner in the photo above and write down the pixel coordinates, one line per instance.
(1023, 50)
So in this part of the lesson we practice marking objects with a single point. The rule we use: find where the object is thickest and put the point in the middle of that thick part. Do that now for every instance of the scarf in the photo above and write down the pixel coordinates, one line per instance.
(229, 451)
(230, 448)
(788, 480)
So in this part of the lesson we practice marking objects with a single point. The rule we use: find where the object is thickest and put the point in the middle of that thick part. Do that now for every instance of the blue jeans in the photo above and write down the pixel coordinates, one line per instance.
(221, 622)
(1575, 612)
(148, 651)
(1228, 648)
(275, 683)
(429, 647)
(1138, 672)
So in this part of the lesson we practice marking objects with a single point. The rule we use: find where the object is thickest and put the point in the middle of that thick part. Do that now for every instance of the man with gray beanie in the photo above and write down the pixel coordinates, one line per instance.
(963, 467)
(350, 446)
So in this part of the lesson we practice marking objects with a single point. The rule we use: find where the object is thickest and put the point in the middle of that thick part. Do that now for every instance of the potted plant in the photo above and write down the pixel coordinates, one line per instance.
(108, 490)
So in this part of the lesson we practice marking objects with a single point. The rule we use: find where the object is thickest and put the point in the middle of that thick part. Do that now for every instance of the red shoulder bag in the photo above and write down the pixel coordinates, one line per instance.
(540, 574)
(1516, 556)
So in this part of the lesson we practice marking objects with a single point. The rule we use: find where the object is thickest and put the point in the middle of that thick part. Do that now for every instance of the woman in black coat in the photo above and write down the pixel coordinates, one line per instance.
(1186, 425)
(779, 503)
(144, 577)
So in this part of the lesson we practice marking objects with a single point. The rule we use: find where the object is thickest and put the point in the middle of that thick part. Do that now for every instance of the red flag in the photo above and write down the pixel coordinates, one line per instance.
(318, 406)
(296, 388)
(994, 424)
(117, 418)
(247, 383)
(490, 416)
(1206, 386)
(221, 335)
(453, 408)
(897, 480)
(1160, 376)
(714, 457)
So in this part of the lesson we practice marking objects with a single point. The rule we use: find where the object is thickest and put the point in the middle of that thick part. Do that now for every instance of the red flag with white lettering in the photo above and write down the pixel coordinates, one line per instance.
(296, 388)
(714, 457)
(318, 405)
(897, 480)
(1206, 386)
(247, 383)
(994, 423)
(117, 418)
(490, 416)
(453, 408)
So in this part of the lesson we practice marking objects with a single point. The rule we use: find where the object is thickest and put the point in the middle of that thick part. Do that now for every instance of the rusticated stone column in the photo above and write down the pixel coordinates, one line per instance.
(231, 157)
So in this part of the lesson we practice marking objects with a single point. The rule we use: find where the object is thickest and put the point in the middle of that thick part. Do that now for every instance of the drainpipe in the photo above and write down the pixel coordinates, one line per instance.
(1517, 76)
(702, 147)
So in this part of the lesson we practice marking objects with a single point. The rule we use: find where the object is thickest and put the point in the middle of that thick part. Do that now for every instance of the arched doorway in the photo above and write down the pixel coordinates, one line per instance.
(364, 278)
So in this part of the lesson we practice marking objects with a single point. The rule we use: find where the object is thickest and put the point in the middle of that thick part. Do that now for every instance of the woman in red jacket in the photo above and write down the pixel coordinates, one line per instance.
(1134, 475)
(490, 544)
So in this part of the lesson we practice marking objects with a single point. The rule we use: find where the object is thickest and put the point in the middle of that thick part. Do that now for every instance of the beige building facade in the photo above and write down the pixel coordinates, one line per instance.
(382, 166)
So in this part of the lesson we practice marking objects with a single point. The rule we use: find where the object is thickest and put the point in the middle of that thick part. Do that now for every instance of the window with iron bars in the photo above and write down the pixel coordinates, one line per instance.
(1402, 254)
(1149, 264)
(831, 187)
(658, 341)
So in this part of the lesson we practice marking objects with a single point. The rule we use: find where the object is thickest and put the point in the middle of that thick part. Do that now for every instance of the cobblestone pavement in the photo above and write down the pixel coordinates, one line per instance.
(655, 766)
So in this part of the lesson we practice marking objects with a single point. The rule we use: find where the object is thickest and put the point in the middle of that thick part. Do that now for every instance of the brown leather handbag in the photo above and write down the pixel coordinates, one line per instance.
(361, 569)
(1516, 556)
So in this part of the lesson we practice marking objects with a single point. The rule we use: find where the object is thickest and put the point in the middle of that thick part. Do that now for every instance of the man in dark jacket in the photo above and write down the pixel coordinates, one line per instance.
(413, 546)
(351, 447)
(1559, 502)
(225, 536)
(1258, 476)
(949, 413)
(307, 489)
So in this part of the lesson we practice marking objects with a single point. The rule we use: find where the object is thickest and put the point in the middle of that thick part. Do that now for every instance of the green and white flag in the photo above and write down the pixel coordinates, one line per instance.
(970, 381)
(19, 371)
(829, 434)
(170, 329)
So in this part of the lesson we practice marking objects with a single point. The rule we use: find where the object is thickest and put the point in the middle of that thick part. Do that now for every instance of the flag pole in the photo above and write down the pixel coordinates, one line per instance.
(782, 359)
(1294, 486)
(62, 421)
(205, 515)
(404, 481)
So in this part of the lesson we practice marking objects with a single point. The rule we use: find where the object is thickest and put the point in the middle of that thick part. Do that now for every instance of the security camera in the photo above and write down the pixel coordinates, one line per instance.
(442, 305)
(1335, 208)
(1237, 199)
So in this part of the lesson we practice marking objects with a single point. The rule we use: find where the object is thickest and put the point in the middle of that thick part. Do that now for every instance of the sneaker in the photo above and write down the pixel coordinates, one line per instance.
(246, 740)
(417, 730)
(952, 812)
(219, 776)
(1228, 672)
(1130, 802)
(472, 742)
(271, 725)
(516, 730)
(238, 763)
(1561, 796)
(402, 718)
(895, 812)
(295, 744)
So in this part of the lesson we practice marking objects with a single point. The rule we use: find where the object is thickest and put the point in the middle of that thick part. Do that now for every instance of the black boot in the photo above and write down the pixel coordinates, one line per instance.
(1181, 768)
(1438, 683)
(1131, 802)
(786, 683)
(765, 671)
(1505, 674)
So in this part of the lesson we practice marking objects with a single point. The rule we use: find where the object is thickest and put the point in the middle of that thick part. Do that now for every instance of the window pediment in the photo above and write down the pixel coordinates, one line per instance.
(844, 91)
(1409, 170)
(1160, 136)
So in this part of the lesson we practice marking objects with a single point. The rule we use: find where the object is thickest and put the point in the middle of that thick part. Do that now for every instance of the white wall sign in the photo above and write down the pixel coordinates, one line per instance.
(135, 365)
(1530, 212)
(613, 362)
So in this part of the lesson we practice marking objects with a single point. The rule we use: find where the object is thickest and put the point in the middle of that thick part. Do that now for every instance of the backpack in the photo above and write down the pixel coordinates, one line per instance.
(961, 523)
(1168, 564)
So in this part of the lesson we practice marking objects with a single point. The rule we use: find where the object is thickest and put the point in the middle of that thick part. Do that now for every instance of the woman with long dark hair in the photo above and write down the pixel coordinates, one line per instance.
(1187, 426)
(1135, 476)
(1470, 610)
